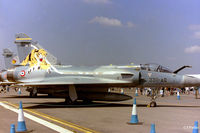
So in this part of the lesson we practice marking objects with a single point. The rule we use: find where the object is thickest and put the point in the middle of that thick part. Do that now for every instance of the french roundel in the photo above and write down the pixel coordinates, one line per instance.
(22, 73)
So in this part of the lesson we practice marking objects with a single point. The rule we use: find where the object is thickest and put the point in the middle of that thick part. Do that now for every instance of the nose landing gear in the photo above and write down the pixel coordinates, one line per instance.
(152, 104)
(153, 99)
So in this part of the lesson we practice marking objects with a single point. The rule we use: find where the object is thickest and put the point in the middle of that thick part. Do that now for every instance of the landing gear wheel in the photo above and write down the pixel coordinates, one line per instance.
(153, 104)
(50, 95)
(87, 101)
(33, 93)
(68, 101)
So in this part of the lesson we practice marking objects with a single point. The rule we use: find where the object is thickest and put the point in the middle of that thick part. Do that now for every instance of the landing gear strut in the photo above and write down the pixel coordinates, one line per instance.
(196, 92)
(72, 98)
(153, 98)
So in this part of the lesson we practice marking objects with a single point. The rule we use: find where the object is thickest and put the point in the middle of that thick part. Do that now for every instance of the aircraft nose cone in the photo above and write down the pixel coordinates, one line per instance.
(191, 81)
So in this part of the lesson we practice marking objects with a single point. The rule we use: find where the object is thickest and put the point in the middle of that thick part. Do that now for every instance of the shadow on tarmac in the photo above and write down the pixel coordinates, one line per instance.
(81, 104)
(94, 105)
(77, 105)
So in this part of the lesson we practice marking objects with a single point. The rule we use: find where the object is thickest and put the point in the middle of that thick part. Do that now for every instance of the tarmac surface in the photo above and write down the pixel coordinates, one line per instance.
(8, 117)
(171, 115)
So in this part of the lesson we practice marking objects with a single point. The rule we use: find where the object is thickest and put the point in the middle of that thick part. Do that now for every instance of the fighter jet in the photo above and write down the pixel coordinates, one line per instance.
(39, 75)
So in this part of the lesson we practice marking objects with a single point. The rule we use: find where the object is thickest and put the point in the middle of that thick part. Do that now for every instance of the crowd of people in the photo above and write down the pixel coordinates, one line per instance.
(168, 91)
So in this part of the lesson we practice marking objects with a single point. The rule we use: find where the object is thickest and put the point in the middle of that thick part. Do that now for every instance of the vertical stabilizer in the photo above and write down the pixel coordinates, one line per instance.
(10, 58)
(25, 45)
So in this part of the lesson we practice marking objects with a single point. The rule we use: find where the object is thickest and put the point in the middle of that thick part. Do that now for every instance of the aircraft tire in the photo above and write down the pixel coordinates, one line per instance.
(153, 104)
(50, 95)
(68, 101)
(87, 101)
(33, 94)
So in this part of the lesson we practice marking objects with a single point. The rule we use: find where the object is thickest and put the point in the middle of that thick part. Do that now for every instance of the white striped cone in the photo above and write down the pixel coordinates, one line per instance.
(136, 92)
(122, 91)
(178, 95)
(134, 117)
(196, 127)
(21, 122)
(19, 91)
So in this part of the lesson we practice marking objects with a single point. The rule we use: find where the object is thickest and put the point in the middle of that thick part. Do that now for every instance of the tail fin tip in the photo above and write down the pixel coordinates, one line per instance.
(22, 37)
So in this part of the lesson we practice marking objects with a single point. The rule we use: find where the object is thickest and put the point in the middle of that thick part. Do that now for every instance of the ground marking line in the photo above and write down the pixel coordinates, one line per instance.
(38, 120)
(69, 124)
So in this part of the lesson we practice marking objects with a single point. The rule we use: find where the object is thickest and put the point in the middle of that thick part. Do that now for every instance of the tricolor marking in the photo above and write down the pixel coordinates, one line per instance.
(22, 73)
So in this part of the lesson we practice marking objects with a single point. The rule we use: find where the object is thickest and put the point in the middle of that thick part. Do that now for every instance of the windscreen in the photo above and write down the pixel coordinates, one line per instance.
(155, 67)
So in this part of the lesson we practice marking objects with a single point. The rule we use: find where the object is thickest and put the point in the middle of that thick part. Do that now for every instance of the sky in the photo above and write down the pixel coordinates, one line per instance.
(103, 32)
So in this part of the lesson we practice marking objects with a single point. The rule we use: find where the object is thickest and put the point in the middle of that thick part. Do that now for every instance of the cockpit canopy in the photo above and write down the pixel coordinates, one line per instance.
(155, 68)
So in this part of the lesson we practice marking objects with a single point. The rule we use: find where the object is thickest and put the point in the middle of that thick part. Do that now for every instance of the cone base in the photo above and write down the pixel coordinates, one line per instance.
(28, 131)
(134, 119)
(12, 129)
(21, 127)
(195, 131)
(139, 123)
(178, 98)
(152, 131)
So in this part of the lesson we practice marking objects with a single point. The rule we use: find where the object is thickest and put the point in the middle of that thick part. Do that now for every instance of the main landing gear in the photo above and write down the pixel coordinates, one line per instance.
(68, 101)
(71, 99)
(33, 93)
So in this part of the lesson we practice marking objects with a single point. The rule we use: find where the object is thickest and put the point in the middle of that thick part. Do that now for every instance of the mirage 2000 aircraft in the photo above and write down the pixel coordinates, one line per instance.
(89, 83)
